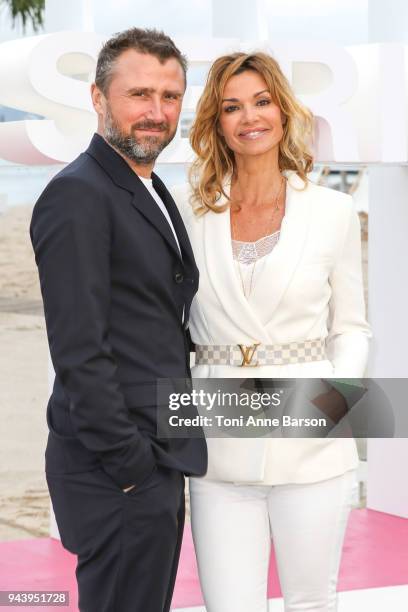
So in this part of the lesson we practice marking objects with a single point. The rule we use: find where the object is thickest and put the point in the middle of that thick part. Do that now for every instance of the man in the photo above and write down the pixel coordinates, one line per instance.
(117, 276)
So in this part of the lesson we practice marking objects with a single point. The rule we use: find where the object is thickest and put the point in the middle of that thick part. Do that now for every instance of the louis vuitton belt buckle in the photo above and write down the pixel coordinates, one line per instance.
(248, 353)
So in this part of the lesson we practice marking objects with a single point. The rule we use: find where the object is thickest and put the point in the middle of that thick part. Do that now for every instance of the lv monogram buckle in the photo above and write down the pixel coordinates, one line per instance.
(248, 353)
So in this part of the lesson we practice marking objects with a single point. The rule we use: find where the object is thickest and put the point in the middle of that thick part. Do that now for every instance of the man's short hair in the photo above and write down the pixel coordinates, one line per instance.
(152, 42)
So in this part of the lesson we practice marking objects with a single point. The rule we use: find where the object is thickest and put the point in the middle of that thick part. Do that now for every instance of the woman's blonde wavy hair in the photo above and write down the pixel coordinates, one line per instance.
(214, 159)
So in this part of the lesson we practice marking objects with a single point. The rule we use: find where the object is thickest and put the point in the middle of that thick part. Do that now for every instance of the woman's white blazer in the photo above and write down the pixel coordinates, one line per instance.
(310, 287)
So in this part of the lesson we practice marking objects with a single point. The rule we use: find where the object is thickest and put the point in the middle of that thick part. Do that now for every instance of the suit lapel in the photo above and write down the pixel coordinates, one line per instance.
(175, 217)
(123, 176)
(145, 204)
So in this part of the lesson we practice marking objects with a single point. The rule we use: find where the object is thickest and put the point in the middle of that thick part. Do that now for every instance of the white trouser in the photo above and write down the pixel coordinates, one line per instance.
(232, 529)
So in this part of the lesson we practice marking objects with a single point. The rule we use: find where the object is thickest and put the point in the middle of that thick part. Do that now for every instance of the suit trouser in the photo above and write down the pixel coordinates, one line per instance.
(127, 544)
(233, 526)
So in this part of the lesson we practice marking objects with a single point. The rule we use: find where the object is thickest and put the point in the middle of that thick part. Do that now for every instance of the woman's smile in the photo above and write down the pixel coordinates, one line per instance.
(253, 134)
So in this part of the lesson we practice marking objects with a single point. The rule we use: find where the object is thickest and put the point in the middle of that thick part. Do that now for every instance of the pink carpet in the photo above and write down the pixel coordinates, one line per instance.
(375, 555)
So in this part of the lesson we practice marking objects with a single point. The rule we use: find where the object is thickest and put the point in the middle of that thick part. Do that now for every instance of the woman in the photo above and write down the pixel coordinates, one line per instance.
(279, 262)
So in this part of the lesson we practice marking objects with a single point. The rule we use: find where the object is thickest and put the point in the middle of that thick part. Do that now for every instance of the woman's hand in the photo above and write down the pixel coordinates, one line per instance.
(332, 404)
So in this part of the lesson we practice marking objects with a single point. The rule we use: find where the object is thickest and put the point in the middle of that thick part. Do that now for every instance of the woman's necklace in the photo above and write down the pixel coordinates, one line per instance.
(275, 209)
(242, 279)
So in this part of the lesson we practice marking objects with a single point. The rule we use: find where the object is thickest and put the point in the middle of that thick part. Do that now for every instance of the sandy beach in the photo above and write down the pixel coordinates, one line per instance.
(24, 505)
(24, 502)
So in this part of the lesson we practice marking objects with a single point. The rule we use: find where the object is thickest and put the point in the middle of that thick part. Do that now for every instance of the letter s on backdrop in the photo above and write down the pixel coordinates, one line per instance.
(50, 76)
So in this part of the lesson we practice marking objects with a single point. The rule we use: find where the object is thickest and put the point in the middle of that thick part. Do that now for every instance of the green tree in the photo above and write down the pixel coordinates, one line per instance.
(28, 11)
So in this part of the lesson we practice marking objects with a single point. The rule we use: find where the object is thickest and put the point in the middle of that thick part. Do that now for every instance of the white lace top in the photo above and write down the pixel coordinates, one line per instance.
(249, 252)
(246, 253)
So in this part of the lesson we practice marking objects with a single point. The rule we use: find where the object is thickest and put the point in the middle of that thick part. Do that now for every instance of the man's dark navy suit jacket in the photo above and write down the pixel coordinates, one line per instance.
(114, 288)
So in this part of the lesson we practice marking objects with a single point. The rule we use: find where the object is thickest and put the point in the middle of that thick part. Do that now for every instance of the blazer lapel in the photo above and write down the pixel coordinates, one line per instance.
(223, 278)
(281, 264)
(123, 176)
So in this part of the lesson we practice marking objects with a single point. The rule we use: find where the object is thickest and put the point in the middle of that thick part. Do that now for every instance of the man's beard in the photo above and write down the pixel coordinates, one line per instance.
(143, 150)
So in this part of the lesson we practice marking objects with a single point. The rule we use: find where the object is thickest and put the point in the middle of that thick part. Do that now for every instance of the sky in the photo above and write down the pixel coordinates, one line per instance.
(344, 21)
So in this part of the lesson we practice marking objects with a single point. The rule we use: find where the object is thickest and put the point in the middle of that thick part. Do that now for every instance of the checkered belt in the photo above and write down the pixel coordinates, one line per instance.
(260, 354)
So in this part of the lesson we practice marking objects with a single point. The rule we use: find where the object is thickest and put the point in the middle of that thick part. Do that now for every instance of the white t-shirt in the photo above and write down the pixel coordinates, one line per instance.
(148, 183)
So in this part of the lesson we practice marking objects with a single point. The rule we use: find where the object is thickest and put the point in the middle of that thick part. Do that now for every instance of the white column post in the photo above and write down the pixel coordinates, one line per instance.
(387, 488)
